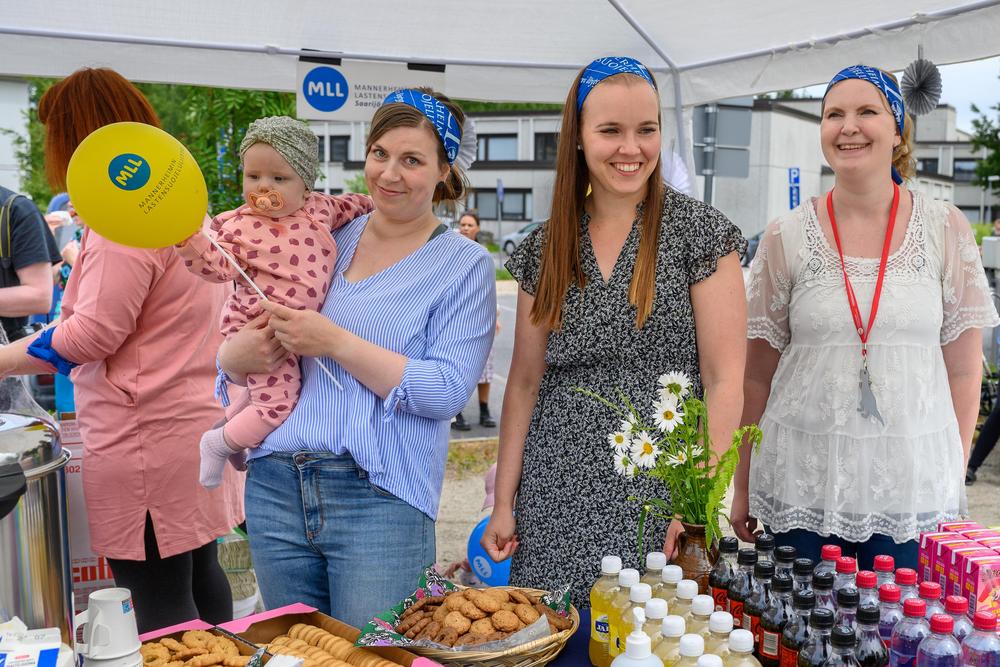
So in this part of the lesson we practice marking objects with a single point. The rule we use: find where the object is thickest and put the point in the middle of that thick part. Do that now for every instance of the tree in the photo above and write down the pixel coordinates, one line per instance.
(987, 135)
(356, 183)
(29, 151)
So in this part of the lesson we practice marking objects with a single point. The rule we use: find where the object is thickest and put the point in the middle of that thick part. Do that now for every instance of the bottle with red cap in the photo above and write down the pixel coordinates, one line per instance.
(828, 559)
(957, 607)
(884, 568)
(940, 648)
(908, 634)
(906, 579)
(981, 647)
(846, 570)
(890, 611)
(930, 593)
(867, 582)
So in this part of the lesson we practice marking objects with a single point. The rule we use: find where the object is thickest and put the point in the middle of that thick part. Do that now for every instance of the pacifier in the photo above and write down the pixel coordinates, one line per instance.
(265, 202)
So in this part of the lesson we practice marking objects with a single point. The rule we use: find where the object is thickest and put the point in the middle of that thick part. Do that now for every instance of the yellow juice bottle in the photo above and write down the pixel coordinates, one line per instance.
(741, 650)
(655, 562)
(638, 596)
(669, 648)
(720, 624)
(686, 590)
(692, 647)
(656, 611)
(627, 578)
(601, 595)
(670, 577)
(702, 607)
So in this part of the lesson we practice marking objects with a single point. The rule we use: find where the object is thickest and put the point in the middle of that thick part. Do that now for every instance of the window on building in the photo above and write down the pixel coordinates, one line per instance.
(965, 170)
(321, 148)
(516, 204)
(339, 147)
(928, 164)
(545, 146)
(496, 147)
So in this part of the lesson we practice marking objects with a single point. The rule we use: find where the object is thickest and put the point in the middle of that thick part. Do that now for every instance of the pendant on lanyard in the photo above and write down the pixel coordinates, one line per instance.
(867, 405)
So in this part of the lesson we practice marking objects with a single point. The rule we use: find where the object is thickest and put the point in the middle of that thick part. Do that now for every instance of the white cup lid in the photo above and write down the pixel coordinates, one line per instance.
(692, 646)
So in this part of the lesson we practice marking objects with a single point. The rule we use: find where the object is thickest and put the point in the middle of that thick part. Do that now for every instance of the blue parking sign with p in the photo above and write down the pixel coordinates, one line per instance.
(325, 88)
(793, 175)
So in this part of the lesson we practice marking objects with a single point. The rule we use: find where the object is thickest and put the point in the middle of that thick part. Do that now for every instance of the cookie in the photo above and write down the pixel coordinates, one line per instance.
(236, 661)
(415, 630)
(206, 660)
(518, 597)
(421, 603)
(505, 621)
(448, 636)
(154, 654)
(556, 621)
(527, 614)
(472, 612)
(454, 601)
(224, 646)
(471, 639)
(457, 622)
(431, 631)
(485, 602)
(173, 645)
(409, 621)
(440, 613)
(500, 594)
(482, 627)
(197, 638)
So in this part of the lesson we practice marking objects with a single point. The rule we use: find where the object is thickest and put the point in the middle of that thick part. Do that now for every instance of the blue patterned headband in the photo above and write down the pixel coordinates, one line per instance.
(602, 68)
(886, 86)
(437, 113)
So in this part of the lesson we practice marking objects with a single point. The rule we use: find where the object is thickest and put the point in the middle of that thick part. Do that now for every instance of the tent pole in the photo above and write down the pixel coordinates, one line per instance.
(675, 73)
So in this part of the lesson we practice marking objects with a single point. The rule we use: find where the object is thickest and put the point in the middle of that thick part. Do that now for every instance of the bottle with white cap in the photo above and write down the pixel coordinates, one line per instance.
(720, 624)
(741, 649)
(669, 648)
(702, 607)
(638, 652)
(709, 660)
(627, 578)
(686, 590)
(638, 596)
(692, 647)
(655, 562)
(671, 576)
(656, 611)
(601, 595)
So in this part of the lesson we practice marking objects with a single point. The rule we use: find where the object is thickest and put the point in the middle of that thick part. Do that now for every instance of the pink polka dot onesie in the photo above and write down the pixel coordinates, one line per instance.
(291, 259)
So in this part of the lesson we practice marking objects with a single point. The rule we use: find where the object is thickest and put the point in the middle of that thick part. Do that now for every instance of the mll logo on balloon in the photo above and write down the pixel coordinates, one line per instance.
(325, 89)
(129, 171)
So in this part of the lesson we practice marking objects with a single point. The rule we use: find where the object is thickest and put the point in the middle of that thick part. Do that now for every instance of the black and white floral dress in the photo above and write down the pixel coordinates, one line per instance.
(572, 508)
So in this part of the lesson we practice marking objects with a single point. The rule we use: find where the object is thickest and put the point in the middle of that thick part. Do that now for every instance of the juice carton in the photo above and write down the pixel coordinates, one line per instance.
(946, 559)
(953, 526)
(978, 534)
(989, 542)
(960, 558)
(930, 550)
(981, 584)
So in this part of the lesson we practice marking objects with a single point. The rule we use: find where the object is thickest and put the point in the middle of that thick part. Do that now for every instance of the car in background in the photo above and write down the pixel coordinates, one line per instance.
(510, 241)
(752, 243)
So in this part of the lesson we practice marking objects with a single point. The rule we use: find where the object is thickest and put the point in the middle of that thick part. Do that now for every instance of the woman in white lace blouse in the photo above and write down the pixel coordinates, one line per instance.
(866, 438)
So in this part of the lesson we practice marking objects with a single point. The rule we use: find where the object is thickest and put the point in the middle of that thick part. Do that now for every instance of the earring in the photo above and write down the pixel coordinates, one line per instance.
(579, 147)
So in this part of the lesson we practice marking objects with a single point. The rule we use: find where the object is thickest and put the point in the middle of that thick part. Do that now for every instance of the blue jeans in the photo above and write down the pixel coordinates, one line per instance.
(808, 544)
(322, 534)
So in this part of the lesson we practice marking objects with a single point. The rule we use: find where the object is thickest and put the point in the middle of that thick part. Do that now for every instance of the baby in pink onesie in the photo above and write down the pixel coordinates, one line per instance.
(281, 238)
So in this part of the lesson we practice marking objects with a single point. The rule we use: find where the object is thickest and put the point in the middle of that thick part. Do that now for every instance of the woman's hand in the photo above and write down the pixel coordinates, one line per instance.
(670, 541)
(70, 252)
(499, 538)
(252, 349)
(306, 333)
(743, 524)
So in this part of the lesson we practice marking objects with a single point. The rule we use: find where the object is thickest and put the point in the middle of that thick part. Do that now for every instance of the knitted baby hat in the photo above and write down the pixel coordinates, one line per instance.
(293, 140)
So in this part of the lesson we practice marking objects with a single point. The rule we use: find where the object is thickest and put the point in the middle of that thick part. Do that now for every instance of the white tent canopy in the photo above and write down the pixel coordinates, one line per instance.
(515, 50)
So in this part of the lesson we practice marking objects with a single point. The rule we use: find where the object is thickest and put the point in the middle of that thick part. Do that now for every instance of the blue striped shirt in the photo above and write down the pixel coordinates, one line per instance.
(437, 307)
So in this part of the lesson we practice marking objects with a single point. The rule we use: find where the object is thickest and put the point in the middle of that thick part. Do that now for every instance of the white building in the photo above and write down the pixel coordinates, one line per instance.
(13, 103)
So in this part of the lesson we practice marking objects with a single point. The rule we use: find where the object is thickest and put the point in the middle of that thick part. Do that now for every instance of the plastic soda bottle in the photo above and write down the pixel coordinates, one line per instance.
(940, 648)
(906, 579)
(981, 648)
(867, 582)
(638, 596)
(828, 556)
(764, 546)
(890, 611)
(671, 576)
(802, 574)
(847, 569)
(709, 660)
(908, 633)
(637, 646)
(784, 559)
(741, 650)
(627, 578)
(930, 593)
(885, 567)
(691, 648)
(817, 648)
(957, 607)
(722, 573)
(669, 648)
(796, 631)
(871, 650)
(742, 584)
(720, 624)
(760, 599)
(842, 652)
(655, 562)
(656, 611)
(823, 589)
(686, 590)
(702, 607)
(847, 607)
(601, 594)
(774, 619)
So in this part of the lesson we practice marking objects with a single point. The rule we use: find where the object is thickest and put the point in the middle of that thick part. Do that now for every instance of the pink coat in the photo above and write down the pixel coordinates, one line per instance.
(145, 333)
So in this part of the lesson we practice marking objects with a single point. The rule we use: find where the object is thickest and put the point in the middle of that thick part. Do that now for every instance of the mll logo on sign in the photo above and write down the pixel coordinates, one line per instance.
(128, 171)
(325, 89)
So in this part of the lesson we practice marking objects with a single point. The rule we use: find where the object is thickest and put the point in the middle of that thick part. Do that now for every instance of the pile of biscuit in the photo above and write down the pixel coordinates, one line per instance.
(197, 648)
(319, 648)
(475, 616)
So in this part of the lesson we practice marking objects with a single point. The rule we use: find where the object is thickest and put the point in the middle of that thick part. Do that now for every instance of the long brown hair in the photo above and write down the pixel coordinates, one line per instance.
(81, 103)
(560, 262)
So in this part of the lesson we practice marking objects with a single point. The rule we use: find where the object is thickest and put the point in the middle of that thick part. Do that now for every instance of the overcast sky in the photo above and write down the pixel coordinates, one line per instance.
(964, 84)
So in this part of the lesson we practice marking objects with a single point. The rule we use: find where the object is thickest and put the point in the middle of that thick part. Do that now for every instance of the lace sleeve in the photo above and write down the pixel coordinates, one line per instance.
(769, 290)
(965, 291)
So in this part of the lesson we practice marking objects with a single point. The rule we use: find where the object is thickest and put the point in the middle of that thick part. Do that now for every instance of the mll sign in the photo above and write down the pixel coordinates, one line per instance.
(325, 89)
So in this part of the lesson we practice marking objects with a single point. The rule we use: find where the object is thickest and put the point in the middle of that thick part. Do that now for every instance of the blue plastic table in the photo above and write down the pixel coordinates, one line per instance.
(575, 654)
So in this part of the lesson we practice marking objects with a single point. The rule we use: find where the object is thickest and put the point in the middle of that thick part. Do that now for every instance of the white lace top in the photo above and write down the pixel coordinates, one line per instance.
(822, 466)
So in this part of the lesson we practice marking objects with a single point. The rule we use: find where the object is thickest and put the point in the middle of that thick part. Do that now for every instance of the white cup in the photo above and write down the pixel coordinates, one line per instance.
(109, 629)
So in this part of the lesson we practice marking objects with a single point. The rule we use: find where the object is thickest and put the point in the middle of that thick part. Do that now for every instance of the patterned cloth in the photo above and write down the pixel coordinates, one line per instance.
(572, 508)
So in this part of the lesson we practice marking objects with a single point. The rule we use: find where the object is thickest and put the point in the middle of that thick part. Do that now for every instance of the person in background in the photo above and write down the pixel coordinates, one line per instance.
(864, 361)
(468, 226)
(139, 334)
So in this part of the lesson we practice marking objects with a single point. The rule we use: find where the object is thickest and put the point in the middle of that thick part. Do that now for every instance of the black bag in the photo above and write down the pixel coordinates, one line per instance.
(14, 327)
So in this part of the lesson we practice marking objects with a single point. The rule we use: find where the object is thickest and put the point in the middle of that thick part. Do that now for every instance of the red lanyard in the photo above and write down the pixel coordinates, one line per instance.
(863, 333)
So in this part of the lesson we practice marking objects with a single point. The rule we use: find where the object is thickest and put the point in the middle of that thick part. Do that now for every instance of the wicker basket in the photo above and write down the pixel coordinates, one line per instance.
(533, 654)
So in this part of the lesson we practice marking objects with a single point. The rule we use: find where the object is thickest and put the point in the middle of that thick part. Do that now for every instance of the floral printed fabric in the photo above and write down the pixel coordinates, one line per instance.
(822, 466)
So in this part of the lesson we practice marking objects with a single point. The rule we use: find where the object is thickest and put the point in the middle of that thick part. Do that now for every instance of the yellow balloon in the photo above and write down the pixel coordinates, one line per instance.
(136, 185)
